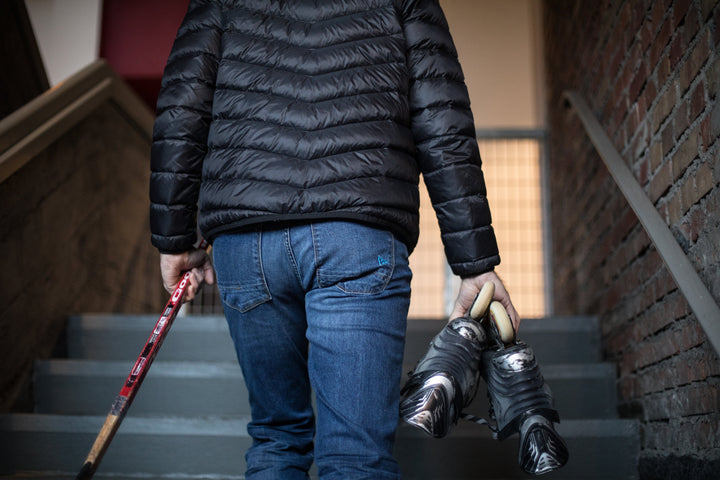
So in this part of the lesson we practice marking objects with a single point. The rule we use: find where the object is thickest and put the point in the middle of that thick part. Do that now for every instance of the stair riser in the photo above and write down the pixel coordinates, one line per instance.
(74, 388)
(157, 396)
(556, 340)
(188, 341)
(479, 457)
(469, 452)
(128, 454)
(574, 399)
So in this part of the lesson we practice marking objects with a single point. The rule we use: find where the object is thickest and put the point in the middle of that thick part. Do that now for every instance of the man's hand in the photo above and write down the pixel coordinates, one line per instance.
(469, 288)
(173, 267)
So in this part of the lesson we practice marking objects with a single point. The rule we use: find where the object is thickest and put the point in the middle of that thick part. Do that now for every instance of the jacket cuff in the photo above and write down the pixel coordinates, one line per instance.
(175, 244)
(475, 267)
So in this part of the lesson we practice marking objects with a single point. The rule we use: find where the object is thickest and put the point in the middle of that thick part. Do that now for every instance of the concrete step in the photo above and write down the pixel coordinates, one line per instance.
(75, 387)
(212, 446)
(149, 446)
(599, 449)
(581, 391)
(189, 419)
(86, 387)
(122, 337)
(554, 340)
(111, 476)
(206, 338)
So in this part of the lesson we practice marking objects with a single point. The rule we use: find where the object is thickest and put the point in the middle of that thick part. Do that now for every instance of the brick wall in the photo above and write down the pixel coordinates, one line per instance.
(650, 70)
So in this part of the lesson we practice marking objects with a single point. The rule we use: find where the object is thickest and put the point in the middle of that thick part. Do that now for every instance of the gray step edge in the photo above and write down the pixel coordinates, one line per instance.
(217, 322)
(191, 426)
(576, 428)
(119, 322)
(114, 368)
(180, 369)
(236, 426)
(576, 323)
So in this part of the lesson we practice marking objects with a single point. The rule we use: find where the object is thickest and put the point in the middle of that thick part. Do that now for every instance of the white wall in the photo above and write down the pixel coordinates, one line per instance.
(499, 45)
(67, 33)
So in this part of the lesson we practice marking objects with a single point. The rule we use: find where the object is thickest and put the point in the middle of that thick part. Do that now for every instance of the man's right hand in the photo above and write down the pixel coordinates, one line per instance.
(469, 288)
(174, 266)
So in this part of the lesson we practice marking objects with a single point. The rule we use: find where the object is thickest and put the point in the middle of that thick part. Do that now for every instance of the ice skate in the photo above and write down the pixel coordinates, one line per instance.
(522, 402)
(446, 378)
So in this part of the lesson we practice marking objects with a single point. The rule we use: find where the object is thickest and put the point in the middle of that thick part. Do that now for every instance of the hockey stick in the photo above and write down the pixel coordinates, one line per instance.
(127, 393)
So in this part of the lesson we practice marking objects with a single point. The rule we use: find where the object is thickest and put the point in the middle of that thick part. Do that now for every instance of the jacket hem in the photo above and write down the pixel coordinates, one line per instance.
(280, 221)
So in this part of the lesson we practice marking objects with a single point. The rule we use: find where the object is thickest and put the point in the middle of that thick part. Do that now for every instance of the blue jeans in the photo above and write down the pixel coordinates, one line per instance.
(318, 308)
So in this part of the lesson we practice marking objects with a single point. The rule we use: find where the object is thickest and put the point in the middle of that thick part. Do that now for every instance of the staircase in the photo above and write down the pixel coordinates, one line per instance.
(188, 420)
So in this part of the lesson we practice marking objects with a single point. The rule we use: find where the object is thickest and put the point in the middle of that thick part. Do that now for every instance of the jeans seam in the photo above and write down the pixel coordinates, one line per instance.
(261, 267)
(291, 256)
(316, 244)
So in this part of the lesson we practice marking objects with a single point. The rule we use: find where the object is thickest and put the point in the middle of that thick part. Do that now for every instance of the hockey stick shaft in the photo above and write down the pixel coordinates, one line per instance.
(132, 384)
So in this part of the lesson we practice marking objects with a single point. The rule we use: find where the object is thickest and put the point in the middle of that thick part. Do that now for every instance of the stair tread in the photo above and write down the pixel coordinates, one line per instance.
(111, 368)
(119, 322)
(235, 426)
(134, 476)
(206, 337)
(574, 428)
(94, 321)
(176, 368)
(578, 323)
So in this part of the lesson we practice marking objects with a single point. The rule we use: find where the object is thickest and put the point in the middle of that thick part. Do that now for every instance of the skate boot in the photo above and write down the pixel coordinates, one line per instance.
(522, 402)
(446, 378)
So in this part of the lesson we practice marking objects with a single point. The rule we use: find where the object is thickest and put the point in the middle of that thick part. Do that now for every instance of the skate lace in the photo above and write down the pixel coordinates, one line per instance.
(480, 421)
(483, 421)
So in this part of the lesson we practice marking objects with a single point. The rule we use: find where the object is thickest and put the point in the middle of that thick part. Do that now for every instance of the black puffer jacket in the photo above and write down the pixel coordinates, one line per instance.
(303, 110)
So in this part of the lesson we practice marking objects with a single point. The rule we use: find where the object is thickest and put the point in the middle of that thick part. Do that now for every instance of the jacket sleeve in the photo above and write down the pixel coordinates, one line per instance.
(444, 132)
(181, 127)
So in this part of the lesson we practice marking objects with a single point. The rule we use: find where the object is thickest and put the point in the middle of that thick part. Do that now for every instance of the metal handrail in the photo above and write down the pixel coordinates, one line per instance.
(688, 281)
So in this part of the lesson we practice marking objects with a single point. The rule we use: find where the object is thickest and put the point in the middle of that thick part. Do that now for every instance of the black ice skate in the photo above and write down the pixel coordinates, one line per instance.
(446, 378)
(521, 401)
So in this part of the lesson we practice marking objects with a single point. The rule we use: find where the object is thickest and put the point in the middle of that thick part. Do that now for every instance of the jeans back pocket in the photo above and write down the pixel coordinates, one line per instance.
(356, 258)
(240, 276)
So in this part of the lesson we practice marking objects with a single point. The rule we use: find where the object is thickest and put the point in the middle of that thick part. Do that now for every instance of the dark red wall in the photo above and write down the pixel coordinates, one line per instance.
(136, 39)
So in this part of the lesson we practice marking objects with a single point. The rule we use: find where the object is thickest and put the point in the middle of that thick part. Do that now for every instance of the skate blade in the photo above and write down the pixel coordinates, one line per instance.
(542, 450)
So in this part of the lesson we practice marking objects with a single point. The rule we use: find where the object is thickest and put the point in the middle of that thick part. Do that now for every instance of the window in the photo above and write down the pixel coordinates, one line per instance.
(512, 167)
